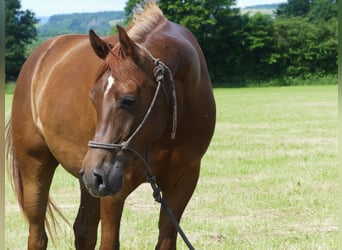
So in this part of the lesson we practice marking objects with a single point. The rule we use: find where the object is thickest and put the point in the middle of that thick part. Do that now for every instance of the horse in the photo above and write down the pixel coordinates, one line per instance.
(112, 111)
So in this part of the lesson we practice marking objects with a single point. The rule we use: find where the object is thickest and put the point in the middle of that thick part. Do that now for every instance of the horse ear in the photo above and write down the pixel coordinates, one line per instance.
(100, 47)
(127, 45)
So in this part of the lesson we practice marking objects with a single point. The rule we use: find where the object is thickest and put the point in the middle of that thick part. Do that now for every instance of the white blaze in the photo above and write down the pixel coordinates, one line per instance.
(110, 84)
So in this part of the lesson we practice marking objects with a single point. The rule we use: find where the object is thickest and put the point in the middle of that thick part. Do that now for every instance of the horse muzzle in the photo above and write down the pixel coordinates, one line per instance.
(104, 180)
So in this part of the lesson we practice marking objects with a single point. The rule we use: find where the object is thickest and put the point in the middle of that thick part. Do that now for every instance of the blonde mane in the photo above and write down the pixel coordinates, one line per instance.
(145, 18)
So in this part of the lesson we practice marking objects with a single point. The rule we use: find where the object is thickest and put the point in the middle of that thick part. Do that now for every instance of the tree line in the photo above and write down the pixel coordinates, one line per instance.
(298, 42)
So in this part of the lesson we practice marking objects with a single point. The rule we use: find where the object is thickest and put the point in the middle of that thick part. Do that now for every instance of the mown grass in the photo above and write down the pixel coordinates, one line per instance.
(268, 180)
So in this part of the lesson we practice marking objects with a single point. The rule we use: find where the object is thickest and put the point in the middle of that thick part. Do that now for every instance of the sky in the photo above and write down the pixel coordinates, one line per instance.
(52, 7)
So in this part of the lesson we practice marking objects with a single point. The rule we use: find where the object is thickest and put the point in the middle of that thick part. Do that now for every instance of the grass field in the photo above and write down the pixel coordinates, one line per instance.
(268, 180)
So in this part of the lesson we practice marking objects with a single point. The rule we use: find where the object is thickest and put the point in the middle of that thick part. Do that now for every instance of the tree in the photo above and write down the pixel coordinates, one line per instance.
(323, 10)
(294, 8)
(221, 42)
(19, 31)
(307, 49)
(129, 9)
(260, 55)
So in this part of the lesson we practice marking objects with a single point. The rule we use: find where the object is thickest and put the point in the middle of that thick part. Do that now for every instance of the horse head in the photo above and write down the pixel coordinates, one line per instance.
(131, 112)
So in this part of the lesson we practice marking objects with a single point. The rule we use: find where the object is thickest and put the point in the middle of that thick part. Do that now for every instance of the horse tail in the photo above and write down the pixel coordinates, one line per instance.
(13, 169)
(14, 173)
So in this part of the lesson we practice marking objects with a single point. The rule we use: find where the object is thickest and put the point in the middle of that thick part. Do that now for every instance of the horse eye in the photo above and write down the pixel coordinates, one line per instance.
(127, 102)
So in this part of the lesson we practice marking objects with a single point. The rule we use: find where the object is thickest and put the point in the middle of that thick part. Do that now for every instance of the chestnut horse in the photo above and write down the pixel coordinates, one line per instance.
(151, 109)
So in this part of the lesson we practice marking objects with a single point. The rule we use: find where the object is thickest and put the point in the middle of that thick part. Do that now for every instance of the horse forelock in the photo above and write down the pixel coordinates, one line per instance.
(122, 68)
(113, 60)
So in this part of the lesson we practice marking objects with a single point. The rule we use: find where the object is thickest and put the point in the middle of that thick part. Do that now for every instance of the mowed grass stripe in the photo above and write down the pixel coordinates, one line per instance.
(268, 180)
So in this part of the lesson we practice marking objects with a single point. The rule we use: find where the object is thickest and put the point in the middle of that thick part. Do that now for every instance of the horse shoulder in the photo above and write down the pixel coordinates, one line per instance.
(62, 72)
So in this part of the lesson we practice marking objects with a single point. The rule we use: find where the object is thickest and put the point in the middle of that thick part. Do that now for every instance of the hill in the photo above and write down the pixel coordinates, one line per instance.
(264, 6)
(80, 23)
(267, 9)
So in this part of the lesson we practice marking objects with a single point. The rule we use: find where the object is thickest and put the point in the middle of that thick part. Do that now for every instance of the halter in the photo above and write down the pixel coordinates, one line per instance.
(159, 73)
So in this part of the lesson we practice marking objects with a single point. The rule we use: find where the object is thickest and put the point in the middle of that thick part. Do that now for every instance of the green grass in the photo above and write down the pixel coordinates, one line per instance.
(268, 180)
(9, 88)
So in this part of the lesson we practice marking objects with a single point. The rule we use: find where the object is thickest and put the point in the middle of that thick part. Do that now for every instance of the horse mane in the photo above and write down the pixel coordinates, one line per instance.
(146, 17)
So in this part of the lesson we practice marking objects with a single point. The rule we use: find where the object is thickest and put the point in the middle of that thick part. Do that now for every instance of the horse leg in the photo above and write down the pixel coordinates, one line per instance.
(36, 177)
(111, 211)
(177, 197)
(87, 220)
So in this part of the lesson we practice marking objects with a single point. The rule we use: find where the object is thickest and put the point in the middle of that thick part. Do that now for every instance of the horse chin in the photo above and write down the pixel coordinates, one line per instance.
(104, 183)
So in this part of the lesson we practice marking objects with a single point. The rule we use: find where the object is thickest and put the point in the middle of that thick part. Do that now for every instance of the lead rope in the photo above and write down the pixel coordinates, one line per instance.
(159, 72)
(157, 195)
(158, 198)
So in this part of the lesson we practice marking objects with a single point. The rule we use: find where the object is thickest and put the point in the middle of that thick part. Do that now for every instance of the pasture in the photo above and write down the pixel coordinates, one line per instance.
(268, 180)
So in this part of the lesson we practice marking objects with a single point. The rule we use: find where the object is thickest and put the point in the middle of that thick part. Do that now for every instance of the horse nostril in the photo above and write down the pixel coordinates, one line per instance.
(98, 180)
